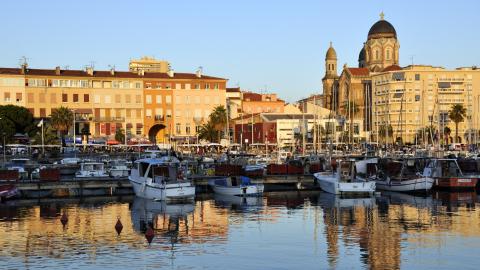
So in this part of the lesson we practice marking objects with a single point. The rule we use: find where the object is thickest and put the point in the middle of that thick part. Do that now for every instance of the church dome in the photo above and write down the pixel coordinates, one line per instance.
(331, 53)
(361, 55)
(382, 28)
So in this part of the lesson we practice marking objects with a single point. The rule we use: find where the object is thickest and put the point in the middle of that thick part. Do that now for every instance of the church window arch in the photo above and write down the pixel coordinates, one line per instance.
(388, 53)
(376, 55)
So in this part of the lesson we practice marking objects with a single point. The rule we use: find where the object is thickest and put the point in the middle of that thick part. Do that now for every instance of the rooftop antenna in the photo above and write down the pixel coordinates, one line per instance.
(23, 61)
(111, 67)
(411, 58)
(92, 64)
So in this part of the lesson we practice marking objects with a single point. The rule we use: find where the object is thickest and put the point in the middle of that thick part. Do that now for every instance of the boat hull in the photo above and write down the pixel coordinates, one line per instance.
(456, 182)
(168, 192)
(330, 184)
(414, 185)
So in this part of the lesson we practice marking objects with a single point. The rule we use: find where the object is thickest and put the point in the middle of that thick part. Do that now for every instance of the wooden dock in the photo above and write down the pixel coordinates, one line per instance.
(103, 187)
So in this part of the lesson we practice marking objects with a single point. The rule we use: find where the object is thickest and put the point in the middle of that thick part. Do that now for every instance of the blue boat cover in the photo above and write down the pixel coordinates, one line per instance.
(245, 180)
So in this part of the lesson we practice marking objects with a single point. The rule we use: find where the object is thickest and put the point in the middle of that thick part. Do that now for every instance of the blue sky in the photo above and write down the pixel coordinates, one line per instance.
(278, 46)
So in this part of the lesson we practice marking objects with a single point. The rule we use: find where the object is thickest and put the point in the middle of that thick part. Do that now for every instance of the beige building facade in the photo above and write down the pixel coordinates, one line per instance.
(419, 96)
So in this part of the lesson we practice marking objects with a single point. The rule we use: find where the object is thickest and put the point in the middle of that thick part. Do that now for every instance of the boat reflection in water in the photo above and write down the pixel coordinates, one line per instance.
(158, 215)
(238, 203)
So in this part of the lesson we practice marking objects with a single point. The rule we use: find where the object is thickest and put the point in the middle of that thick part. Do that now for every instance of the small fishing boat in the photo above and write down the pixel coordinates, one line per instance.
(118, 168)
(403, 176)
(19, 164)
(8, 192)
(161, 179)
(344, 180)
(236, 186)
(447, 174)
(91, 170)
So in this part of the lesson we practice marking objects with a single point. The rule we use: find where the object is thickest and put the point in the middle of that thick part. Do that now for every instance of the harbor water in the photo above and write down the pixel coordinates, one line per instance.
(281, 230)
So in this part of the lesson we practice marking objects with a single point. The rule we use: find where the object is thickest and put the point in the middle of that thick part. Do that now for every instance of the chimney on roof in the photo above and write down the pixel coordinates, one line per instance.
(141, 72)
(89, 71)
(57, 70)
(171, 73)
(199, 71)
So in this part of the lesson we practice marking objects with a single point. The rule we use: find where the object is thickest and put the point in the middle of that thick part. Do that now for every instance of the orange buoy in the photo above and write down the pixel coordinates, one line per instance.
(149, 234)
(64, 219)
(118, 226)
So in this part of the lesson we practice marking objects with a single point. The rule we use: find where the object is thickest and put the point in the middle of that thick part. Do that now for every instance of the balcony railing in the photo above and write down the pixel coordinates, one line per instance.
(159, 118)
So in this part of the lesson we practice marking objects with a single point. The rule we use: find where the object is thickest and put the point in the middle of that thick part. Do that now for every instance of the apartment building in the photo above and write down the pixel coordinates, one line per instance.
(142, 103)
(417, 96)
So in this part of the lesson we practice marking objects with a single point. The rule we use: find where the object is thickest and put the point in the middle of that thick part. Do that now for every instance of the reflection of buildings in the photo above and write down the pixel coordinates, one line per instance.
(380, 230)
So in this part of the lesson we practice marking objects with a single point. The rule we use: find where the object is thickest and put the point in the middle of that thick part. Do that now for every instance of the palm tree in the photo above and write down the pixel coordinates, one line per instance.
(208, 132)
(353, 108)
(62, 119)
(457, 114)
(219, 119)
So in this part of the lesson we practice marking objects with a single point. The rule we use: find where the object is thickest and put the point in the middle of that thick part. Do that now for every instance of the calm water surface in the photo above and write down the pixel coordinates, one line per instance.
(282, 230)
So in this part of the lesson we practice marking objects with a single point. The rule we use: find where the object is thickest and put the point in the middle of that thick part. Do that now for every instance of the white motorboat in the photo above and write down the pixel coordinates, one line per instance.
(18, 164)
(236, 186)
(91, 170)
(118, 168)
(403, 176)
(160, 179)
(344, 180)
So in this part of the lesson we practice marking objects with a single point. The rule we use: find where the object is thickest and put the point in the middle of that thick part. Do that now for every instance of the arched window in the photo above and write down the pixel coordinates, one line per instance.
(376, 54)
(388, 54)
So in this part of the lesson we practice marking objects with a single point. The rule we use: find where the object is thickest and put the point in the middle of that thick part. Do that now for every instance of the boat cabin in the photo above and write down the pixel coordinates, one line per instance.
(445, 168)
(159, 172)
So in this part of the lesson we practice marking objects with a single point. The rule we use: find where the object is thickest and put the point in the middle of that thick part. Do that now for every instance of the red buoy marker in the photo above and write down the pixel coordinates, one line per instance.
(149, 234)
(118, 226)
(64, 219)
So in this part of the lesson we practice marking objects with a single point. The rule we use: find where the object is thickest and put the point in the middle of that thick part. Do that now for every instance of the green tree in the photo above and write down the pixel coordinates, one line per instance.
(208, 132)
(20, 117)
(62, 119)
(120, 135)
(218, 118)
(49, 134)
(457, 113)
(7, 128)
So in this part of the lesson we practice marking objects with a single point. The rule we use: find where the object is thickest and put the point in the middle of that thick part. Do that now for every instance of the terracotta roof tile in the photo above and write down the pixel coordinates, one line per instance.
(103, 73)
(359, 71)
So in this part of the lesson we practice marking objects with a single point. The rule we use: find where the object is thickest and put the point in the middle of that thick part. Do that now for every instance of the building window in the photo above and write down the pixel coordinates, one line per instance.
(43, 112)
(148, 99)
(75, 97)
(64, 98)
(417, 97)
(53, 98)
(138, 99)
(376, 54)
(139, 131)
(138, 85)
(97, 99)
(169, 113)
(187, 129)
(127, 99)
(216, 86)
(168, 99)
(148, 113)
(41, 97)
(207, 86)
(108, 99)
(158, 99)
(6, 97)
(196, 86)
(417, 77)
(388, 54)
(118, 99)
(178, 128)
(86, 98)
